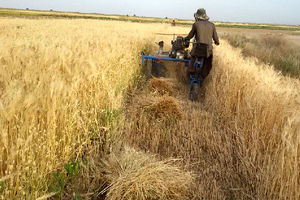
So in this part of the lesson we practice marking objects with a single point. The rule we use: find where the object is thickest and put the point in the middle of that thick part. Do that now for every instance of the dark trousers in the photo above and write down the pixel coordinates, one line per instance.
(206, 68)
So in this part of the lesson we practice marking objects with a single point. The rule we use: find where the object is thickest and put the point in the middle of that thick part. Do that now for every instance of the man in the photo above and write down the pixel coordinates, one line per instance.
(204, 32)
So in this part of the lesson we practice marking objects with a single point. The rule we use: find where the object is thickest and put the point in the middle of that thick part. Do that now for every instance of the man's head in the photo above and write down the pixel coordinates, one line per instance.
(201, 14)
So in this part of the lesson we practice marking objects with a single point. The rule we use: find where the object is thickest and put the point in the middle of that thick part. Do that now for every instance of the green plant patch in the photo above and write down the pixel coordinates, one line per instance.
(109, 115)
(57, 183)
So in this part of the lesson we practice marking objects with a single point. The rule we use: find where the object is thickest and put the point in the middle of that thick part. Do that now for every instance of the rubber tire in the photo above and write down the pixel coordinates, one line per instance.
(194, 92)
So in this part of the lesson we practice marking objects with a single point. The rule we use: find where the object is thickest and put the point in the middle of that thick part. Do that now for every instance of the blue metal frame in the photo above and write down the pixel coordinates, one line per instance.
(187, 62)
(193, 77)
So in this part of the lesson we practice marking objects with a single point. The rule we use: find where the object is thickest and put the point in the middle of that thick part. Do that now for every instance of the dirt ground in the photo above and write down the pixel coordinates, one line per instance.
(291, 35)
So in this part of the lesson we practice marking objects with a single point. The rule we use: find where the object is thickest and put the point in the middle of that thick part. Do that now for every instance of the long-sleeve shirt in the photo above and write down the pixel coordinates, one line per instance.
(204, 32)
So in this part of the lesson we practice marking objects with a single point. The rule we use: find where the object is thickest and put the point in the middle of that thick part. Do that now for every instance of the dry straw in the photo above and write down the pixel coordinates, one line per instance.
(162, 107)
(136, 175)
(162, 86)
(242, 142)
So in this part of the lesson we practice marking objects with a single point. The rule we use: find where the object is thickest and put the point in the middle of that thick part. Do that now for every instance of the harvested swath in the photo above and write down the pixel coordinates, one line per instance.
(136, 175)
(164, 107)
(161, 86)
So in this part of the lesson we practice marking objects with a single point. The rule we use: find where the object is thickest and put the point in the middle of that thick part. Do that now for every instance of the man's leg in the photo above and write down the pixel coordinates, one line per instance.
(191, 67)
(207, 66)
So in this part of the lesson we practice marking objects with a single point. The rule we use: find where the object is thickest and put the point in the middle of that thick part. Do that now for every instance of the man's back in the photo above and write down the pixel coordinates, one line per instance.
(204, 32)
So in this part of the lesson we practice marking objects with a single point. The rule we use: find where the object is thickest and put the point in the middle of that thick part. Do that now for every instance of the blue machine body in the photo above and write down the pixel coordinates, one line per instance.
(187, 62)
(194, 77)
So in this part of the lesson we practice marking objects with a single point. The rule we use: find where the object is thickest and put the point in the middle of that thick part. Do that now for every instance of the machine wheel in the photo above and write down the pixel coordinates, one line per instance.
(194, 92)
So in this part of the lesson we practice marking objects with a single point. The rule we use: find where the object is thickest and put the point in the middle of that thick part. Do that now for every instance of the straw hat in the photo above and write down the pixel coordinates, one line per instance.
(201, 14)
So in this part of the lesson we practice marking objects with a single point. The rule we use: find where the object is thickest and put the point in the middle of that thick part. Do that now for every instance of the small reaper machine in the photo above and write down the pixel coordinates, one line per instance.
(180, 53)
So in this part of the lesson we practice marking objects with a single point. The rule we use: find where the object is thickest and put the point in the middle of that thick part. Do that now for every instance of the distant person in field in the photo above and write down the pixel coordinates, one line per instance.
(173, 22)
(204, 31)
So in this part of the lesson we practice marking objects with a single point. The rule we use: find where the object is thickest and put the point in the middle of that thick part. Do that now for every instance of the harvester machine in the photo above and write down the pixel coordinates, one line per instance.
(178, 53)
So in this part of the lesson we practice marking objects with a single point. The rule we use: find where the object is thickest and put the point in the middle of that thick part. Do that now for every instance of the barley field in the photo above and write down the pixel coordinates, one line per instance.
(28, 13)
(80, 120)
(277, 50)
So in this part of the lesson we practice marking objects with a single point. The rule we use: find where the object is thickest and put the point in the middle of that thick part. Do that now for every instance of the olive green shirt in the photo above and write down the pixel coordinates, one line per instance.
(204, 32)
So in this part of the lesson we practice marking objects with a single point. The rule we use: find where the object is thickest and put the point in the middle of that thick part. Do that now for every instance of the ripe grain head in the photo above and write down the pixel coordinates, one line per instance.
(56, 78)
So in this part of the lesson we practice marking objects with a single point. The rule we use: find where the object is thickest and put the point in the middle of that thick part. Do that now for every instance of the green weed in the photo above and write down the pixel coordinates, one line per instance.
(66, 179)
(109, 115)
(3, 186)
(72, 169)
(57, 183)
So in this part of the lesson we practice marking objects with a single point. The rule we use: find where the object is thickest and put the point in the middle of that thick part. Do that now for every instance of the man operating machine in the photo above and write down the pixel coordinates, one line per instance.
(199, 60)
(204, 32)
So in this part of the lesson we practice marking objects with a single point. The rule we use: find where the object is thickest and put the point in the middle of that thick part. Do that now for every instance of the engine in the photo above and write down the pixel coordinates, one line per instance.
(179, 46)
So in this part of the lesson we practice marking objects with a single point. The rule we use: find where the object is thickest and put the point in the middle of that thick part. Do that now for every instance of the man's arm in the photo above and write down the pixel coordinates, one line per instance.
(191, 34)
(215, 36)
